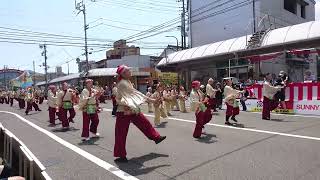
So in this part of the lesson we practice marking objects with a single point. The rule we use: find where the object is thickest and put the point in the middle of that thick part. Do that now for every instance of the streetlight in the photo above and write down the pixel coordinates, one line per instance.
(177, 41)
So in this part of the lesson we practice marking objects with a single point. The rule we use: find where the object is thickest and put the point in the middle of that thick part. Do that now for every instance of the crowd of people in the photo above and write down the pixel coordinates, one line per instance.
(205, 101)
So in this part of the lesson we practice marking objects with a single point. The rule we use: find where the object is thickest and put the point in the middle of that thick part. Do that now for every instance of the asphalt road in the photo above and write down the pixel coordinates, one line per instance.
(287, 147)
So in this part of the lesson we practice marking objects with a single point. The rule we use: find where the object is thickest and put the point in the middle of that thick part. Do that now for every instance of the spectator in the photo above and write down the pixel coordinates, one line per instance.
(309, 77)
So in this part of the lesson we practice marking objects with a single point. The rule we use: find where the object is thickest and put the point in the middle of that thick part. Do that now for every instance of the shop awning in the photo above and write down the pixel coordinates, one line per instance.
(65, 78)
(105, 72)
(292, 36)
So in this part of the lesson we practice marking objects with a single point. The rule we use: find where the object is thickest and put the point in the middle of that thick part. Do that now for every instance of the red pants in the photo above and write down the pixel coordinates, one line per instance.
(22, 103)
(232, 111)
(7, 100)
(122, 127)
(41, 100)
(64, 116)
(94, 118)
(268, 106)
(1, 100)
(202, 118)
(52, 115)
(11, 101)
(30, 105)
(213, 103)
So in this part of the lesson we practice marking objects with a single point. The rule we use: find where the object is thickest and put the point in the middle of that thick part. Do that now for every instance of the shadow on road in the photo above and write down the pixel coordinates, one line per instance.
(92, 141)
(64, 130)
(135, 165)
(207, 138)
(162, 125)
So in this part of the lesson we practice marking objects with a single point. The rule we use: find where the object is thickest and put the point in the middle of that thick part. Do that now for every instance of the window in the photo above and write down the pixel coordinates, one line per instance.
(291, 6)
(303, 11)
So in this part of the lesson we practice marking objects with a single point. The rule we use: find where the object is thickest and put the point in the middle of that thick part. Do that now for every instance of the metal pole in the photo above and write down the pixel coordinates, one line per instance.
(34, 73)
(229, 67)
(4, 76)
(176, 40)
(254, 15)
(85, 36)
(45, 67)
(184, 25)
(68, 68)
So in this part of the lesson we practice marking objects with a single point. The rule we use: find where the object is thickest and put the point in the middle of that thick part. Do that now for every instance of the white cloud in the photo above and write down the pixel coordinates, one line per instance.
(317, 7)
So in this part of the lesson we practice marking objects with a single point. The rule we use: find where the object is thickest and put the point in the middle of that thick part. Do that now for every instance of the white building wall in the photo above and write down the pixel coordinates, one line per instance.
(131, 61)
(234, 23)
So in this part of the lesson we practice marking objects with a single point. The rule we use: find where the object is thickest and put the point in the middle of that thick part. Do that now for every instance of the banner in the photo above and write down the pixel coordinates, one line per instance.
(23, 81)
(255, 105)
(307, 107)
(168, 78)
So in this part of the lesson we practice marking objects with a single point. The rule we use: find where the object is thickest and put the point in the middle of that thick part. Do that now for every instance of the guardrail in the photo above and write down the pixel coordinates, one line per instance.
(19, 159)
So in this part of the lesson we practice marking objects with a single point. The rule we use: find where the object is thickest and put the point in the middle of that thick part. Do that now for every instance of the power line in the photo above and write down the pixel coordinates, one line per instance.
(126, 6)
(139, 5)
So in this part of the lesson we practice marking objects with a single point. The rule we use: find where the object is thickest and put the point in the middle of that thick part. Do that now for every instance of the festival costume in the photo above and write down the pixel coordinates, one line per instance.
(269, 102)
(230, 95)
(159, 110)
(65, 104)
(203, 114)
(182, 101)
(167, 101)
(114, 102)
(88, 106)
(53, 106)
(174, 101)
(150, 106)
(211, 93)
(129, 100)
(31, 102)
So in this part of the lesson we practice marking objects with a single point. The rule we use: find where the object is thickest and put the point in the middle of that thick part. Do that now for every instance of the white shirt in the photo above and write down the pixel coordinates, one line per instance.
(210, 91)
(268, 90)
(52, 99)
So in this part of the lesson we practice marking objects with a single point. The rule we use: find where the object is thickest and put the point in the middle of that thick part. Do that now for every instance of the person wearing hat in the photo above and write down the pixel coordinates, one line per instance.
(65, 103)
(159, 110)
(230, 95)
(88, 106)
(182, 99)
(269, 102)
(129, 99)
(199, 104)
(149, 94)
(30, 99)
(113, 98)
(211, 93)
(52, 103)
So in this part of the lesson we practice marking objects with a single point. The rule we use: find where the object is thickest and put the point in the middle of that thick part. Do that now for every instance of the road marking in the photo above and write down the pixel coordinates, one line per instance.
(242, 129)
(112, 169)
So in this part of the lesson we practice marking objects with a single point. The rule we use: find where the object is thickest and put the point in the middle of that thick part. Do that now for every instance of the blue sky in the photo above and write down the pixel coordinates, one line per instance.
(59, 17)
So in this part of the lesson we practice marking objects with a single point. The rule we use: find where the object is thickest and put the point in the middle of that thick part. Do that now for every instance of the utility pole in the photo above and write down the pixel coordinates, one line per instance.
(44, 53)
(254, 15)
(183, 25)
(34, 74)
(68, 68)
(4, 76)
(81, 7)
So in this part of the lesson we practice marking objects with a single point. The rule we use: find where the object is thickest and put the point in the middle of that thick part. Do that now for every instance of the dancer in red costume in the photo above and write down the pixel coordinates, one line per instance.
(129, 100)
(201, 107)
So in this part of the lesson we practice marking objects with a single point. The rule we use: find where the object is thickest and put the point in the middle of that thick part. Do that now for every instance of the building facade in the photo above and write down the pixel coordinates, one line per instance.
(213, 21)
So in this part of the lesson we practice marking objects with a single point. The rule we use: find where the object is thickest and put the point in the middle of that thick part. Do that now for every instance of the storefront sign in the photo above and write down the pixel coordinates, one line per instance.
(169, 77)
(307, 107)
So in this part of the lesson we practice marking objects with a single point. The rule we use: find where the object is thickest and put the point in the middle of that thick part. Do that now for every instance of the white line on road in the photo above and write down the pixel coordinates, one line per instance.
(242, 129)
(112, 169)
